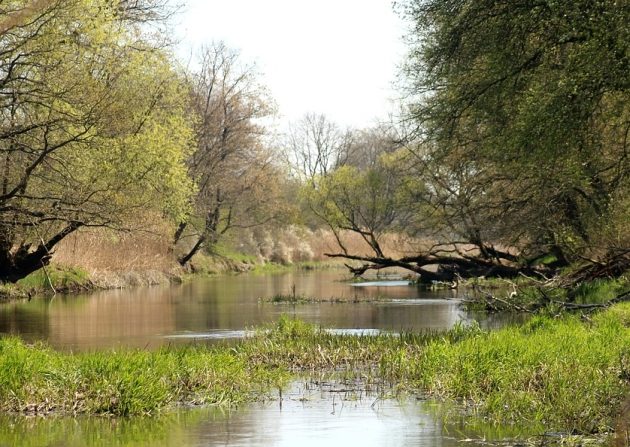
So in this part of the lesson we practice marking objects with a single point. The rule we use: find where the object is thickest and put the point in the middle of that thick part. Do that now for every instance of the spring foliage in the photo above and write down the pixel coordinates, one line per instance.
(94, 127)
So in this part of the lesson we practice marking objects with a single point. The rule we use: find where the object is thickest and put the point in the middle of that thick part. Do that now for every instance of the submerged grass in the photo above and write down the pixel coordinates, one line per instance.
(567, 374)
(292, 298)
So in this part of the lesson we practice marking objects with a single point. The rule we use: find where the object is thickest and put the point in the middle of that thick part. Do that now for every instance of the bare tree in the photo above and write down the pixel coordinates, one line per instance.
(231, 165)
(315, 146)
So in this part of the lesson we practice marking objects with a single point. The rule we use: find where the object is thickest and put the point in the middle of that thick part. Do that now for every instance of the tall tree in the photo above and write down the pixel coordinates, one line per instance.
(231, 163)
(525, 104)
(519, 152)
(88, 135)
(315, 146)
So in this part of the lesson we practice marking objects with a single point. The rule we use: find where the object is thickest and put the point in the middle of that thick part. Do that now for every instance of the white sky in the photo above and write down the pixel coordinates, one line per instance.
(337, 57)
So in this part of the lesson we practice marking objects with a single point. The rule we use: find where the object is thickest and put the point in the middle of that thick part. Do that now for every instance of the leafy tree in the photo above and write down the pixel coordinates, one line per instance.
(370, 202)
(525, 105)
(519, 151)
(93, 127)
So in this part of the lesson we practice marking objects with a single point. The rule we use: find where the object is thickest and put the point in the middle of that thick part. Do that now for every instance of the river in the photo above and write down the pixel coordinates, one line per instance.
(221, 309)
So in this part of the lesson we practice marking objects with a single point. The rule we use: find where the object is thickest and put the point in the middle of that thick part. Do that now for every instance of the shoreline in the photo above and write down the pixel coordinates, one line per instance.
(566, 374)
(60, 279)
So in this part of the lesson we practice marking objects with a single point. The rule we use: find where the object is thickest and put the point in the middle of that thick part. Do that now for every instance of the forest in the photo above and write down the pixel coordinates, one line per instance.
(509, 156)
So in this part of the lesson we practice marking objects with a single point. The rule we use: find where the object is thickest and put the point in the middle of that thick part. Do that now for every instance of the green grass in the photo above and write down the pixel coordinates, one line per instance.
(225, 251)
(273, 267)
(37, 379)
(62, 279)
(566, 374)
(600, 290)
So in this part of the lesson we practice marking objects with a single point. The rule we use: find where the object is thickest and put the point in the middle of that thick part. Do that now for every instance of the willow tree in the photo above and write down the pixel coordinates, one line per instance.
(93, 127)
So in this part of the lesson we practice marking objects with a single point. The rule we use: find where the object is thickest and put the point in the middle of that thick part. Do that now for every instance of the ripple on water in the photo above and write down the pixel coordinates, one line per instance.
(383, 284)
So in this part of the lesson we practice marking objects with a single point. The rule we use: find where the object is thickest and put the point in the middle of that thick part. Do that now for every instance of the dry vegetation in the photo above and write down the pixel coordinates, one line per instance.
(119, 259)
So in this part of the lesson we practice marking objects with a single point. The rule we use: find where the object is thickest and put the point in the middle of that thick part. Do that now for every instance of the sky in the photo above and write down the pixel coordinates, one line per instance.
(336, 57)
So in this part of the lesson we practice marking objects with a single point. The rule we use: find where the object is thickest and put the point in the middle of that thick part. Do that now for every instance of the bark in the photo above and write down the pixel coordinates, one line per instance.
(209, 234)
(193, 251)
(17, 263)
(448, 267)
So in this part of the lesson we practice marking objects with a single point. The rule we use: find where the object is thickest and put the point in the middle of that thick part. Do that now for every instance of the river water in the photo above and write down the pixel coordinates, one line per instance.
(220, 309)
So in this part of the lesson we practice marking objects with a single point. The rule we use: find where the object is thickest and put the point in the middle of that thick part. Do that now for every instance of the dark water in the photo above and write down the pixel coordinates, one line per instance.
(219, 308)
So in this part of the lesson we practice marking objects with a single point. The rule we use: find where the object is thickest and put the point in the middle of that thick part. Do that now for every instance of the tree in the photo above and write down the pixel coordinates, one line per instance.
(88, 135)
(519, 152)
(315, 145)
(231, 164)
(529, 101)
(369, 201)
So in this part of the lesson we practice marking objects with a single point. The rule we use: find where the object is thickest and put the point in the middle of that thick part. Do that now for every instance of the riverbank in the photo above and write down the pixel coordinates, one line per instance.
(58, 278)
(569, 374)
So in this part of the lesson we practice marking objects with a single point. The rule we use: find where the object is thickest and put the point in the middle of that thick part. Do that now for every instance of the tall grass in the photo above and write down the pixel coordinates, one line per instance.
(565, 374)
(36, 379)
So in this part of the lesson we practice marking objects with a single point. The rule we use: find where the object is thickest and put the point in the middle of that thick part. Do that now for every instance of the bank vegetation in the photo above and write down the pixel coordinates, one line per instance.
(569, 375)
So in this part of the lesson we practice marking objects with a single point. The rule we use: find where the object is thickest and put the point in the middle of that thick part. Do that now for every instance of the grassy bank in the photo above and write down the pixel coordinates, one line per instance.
(58, 278)
(565, 374)
(54, 278)
(39, 380)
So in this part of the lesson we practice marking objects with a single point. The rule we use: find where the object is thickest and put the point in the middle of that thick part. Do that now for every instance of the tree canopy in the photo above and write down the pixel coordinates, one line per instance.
(519, 146)
(93, 127)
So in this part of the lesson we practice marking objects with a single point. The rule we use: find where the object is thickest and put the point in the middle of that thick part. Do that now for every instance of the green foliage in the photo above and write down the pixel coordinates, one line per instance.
(95, 128)
(564, 374)
(524, 110)
(373, 200)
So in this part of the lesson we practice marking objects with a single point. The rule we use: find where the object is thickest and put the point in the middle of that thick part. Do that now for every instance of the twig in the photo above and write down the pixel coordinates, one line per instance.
(52, 287)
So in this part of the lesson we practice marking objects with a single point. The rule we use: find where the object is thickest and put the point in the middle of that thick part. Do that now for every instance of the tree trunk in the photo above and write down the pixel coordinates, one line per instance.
(16, 264)
(193, 251)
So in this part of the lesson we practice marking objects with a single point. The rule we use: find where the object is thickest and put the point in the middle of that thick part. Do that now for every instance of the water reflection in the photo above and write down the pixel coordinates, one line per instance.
(220, 307)
(307, 417)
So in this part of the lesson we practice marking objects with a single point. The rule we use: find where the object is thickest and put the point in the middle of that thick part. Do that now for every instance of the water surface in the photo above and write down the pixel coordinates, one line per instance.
(307, 416)
(224, 307)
